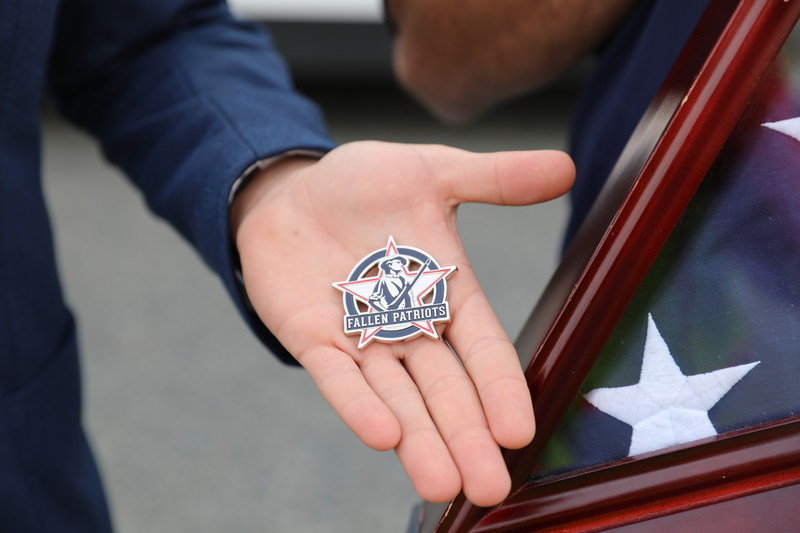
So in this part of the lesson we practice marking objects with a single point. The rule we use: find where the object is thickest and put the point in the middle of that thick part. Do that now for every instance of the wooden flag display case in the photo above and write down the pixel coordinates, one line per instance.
(672, 178)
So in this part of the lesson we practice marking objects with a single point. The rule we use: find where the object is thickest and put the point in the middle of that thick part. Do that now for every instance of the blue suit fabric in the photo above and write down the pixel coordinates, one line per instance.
(183, 98)
(629, 70)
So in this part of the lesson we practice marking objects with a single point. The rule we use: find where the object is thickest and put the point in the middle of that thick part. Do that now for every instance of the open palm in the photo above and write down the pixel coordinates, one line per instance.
(304, 224)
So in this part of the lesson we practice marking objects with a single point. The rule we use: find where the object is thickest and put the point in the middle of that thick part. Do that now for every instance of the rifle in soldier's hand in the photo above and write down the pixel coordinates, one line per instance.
(399, 298)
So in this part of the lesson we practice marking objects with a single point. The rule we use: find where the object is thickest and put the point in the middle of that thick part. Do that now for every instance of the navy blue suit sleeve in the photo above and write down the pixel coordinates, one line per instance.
(183, 97)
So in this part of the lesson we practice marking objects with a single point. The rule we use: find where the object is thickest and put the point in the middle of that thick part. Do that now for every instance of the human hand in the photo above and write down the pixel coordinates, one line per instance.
(461, 57)
(303, 224)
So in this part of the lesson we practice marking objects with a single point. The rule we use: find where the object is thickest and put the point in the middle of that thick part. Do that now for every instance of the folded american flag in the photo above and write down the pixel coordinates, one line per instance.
(711, 341)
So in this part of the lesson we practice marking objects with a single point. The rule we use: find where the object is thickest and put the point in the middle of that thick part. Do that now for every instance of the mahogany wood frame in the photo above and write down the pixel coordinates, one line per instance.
(672, 149)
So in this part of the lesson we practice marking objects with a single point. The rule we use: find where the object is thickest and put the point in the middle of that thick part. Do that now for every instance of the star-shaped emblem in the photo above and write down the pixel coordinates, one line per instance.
(666, 407)
(423, 280)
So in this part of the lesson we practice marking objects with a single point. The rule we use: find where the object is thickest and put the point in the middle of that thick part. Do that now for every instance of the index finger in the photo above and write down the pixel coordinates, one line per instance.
(492, 363)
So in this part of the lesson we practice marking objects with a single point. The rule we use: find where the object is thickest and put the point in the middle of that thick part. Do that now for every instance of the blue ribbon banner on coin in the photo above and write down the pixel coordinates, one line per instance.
(394, 294)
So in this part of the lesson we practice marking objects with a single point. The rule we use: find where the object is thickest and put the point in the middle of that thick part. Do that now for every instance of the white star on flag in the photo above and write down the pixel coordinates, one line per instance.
(666, 407)
(363, 288)
(790, 127)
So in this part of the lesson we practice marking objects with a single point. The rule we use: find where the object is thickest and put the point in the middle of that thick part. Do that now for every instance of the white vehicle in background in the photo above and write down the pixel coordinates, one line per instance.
(363, 11)
(326, 42)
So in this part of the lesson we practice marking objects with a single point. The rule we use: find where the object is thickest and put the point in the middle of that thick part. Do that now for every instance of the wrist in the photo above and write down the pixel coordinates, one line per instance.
(263, 185)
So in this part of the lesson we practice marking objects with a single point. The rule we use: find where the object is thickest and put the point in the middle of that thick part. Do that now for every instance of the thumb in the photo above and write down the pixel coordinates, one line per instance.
(506, 178)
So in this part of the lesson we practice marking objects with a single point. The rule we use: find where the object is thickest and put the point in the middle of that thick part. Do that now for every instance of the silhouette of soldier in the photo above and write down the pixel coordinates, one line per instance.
(392, 291)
